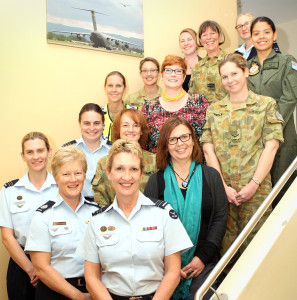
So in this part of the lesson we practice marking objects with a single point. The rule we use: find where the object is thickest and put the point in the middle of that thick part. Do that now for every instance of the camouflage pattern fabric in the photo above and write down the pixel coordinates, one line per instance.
(137, 99)
(239, 136)
(206, 80)
(104, 192)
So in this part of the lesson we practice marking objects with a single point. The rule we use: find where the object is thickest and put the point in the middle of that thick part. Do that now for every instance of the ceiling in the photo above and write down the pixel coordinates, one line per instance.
(280, 11)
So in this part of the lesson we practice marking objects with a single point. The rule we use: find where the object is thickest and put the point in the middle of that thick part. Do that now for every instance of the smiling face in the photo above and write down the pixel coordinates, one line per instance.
(187, 43)
(91, 126)
(149, 73)
(245, 31)
(114, 88)
(70, 180)
(125, 175)
(181, 151)
(263, 36)
(210, 41)
(129, 130)
(36, 155)
(173, 80)
(234, 79)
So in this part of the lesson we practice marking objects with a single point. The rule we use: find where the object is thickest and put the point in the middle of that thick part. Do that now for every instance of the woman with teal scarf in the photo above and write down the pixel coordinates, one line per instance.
(196, 193)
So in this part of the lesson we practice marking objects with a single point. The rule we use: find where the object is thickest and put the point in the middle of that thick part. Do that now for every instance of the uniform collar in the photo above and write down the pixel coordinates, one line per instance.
(103, 142)
(60, 200)
(251, 100)
(213, 60)
(255, 59)
(25, 182)
(143, 92)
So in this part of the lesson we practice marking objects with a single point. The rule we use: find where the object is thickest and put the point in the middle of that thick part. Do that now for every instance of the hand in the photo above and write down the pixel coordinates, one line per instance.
(83, 296)
(247, 192)
(195, 267)
(231, 195)
(33, 277)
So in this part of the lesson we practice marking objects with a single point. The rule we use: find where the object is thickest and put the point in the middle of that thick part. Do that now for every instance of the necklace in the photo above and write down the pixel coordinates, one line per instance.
(167, 98)
(185, 182)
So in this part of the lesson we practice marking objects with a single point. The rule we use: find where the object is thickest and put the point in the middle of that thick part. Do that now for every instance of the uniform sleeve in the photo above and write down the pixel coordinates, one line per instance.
(206, 130)
(5, 217)
(145, 112)
(38, 237)
(288, 101)
(175, 235)
(193, 88)
(273, 128)
(102, 188)
(87, 247)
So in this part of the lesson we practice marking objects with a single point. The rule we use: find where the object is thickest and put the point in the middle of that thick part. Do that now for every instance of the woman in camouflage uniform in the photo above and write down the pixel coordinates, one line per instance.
(130, 125)
(240, 138)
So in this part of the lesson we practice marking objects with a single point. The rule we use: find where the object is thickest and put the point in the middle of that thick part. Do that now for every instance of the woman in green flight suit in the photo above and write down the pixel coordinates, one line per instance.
(275, 75)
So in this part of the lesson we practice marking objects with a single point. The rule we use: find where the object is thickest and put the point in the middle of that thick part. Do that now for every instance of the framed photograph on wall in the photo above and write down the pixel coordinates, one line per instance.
(114, 26)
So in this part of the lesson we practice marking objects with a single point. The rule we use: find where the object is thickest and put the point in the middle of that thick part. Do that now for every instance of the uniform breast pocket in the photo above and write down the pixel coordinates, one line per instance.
(19, 207)
(151, 243)
(108, 245)
(61, 238)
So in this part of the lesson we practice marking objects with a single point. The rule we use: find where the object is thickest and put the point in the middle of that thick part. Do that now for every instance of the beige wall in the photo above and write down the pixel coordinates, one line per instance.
(44, 86)
(287, 37)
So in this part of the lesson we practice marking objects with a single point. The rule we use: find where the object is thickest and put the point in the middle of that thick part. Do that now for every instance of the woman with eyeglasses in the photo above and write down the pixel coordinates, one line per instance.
(188, 45)
(197, 194)
(275, 75)
(243, 27)
(174, 101)
(149, 71)
(130, 125)
(205, 78)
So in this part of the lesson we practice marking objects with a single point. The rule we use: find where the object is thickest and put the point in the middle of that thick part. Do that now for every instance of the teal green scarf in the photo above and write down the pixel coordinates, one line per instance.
(189, 212)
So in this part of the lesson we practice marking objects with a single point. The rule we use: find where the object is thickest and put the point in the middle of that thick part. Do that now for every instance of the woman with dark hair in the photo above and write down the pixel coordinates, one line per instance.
(130, 124)
(188, 45)
(92, 142)
(115, 87)
(174, 101)
(19, 199)
(56, 229)
(196, 193)
(205, 78)
(240, 138)
(275, 75)
(149, 69)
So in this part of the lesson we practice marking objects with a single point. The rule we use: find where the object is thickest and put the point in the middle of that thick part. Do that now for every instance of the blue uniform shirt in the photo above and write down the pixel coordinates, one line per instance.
(131, 251)
(92, 159)
(18, 201)
(58, 229)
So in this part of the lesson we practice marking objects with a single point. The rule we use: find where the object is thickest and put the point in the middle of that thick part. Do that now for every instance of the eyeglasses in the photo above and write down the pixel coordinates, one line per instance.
(246, 24)
(126, 125)
(146, 71)
(176, 71)
(185, 137)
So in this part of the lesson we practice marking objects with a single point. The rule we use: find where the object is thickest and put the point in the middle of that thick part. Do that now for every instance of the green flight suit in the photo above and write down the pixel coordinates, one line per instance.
(278, 79)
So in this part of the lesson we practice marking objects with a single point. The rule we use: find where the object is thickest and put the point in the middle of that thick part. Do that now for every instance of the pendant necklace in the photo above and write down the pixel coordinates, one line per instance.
(185, 182)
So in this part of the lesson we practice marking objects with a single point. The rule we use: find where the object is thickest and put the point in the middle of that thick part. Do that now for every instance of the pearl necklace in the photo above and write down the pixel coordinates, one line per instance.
(167, 98)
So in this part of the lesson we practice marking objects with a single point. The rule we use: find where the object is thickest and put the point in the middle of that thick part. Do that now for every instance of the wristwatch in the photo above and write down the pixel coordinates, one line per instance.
(256, 181)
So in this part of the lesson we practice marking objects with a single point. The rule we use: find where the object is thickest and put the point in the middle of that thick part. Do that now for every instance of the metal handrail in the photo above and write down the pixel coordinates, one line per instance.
(217, 270)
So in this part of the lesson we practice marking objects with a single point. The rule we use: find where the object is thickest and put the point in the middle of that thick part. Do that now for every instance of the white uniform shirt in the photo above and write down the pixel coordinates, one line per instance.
(19, 200)
(131, 251)
(57, 229)
(92, 159)
(245, 53)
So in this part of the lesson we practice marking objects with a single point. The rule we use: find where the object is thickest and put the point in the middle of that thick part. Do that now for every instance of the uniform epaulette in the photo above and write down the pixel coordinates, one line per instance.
(92, 203)
(69, 143)
(159, 203)
(45, 206)
(10, 183)
(100, 210)
(109, 143)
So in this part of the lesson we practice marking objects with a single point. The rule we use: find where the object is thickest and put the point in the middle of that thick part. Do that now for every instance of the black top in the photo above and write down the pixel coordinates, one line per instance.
(214, 210)
(186, 82)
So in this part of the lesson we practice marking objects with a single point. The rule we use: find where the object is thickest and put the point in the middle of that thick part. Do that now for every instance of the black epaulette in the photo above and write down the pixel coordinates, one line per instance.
(45, 206)
(100, 210)
(109, 143)
(159, 203)
(92, 203)
(69, 143)
(11, 183)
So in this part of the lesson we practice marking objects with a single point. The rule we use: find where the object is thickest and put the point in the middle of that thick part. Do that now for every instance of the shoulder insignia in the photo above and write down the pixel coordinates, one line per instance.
(45, 206)
(294, 65)
(69, 143)
(173, 214)
(159, 203)
(92, 203)
(100, 210)
(10, 183)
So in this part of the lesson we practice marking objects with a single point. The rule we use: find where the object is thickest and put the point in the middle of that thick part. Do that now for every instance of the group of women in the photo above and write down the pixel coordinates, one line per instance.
(164, 217)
